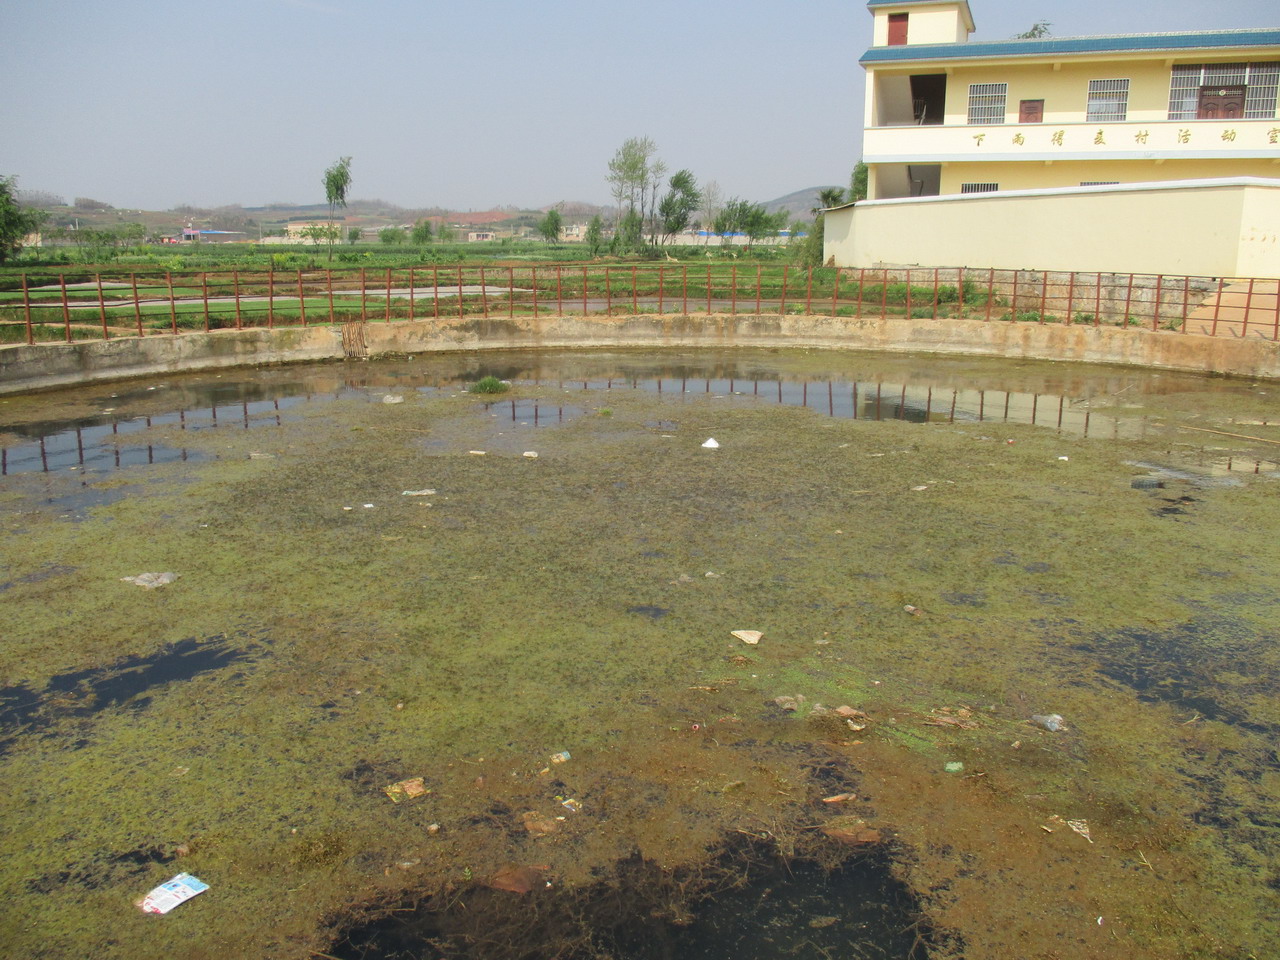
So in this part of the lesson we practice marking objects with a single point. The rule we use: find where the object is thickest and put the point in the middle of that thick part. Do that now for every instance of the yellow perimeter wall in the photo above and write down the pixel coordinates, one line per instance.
(1209, 228)
(1069, 173)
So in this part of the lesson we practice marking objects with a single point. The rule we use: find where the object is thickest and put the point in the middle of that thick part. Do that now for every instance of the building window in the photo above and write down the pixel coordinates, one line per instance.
(897, 29)
(1108, 101)
(1202, 90)
(979, 187)
(986, 102)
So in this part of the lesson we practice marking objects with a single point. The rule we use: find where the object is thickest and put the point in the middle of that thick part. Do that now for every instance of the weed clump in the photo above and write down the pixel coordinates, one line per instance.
(489, 385)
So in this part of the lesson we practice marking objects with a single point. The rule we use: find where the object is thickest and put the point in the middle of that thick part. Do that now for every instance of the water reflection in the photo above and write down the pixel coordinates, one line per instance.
(932, 390)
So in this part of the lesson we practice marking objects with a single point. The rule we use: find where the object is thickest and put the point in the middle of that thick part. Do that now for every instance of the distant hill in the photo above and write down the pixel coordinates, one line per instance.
(799, 205)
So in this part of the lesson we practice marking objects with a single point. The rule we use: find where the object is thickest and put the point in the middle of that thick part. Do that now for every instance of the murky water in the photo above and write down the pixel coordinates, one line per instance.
(1081, 402)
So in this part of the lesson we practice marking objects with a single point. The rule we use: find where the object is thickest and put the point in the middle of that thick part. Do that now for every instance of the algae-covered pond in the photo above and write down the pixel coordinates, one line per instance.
(377, 582)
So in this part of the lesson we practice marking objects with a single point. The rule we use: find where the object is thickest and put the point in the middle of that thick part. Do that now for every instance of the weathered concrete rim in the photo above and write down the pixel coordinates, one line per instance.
(25, 368)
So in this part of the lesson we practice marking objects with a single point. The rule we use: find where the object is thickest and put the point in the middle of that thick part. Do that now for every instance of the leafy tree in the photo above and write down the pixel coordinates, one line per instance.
(595, 235)
(629, 236)
(353, 234)
(678, 206)
(828, 197)
(421, 233)
(858, 183)
(337, 180)
(88, 203)
(635, 177)
(1038, 31)
(15, 221)
(445, 233)
(391, 235)
(318, 233)
(751, 219)
(549, 226)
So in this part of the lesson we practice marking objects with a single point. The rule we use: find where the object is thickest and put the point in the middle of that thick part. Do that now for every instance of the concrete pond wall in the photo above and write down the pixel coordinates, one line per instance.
(44, 366)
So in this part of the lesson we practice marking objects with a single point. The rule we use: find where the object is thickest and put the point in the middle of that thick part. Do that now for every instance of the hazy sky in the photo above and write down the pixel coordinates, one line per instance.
(468, 105)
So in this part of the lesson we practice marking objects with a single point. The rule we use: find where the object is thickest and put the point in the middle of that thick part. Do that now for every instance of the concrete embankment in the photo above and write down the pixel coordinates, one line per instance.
(43, 366)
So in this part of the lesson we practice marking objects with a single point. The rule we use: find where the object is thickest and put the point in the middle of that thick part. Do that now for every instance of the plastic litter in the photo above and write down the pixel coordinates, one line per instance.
(171, 893)
(1051, 722)
(1081, 827)
(151, 580)
(477, 453)
(953, 766)
(530, 455)
(419, 493)
(747, 636)
(406, 789)
(711, 444)
(392, 398)
(561, 757)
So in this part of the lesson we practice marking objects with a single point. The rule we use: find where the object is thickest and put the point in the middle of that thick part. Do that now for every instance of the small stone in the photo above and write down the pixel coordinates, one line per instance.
(530, 455)
(787, 703)
(433, 829)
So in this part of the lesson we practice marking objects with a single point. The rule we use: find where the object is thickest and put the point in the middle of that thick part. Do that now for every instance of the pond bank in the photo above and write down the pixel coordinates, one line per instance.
(42, 366)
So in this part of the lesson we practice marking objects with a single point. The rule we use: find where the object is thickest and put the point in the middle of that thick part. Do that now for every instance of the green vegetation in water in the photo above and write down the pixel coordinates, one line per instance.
(489, 385)
(583, 601)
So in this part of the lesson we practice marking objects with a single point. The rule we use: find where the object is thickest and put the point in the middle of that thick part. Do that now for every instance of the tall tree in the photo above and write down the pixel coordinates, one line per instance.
(337, 180)
(421, 233)
(678, 206)
(712, 203)
(15, 221)
(595, 235)
(549, 226)
(629, 173)
(858, 183)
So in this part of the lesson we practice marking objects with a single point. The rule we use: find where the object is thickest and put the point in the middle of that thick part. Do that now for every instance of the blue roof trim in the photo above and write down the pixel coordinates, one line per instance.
(1204, 40)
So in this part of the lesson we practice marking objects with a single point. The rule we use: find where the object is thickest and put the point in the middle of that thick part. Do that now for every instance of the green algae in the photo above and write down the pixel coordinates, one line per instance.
(468, 635)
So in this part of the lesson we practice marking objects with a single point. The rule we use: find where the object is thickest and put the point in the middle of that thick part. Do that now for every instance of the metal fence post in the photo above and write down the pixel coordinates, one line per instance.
(173, 307)
(66, 308)
(137, 307)
(102, 307)
(26, 310)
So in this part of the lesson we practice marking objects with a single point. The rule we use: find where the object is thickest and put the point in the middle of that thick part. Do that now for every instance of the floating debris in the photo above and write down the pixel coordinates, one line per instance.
(393, 398)
(710, 444)
(1081, 827)
(1051, 722)
(748, 636)
(840, 798)
(150, 581)
(530, 455)
(953, 766)
(914, 611)
(426, 492)
(561, 757)
(171, 893)
(406, 789)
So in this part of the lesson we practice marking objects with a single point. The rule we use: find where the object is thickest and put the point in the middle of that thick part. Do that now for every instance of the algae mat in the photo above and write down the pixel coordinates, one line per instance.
(329, 636)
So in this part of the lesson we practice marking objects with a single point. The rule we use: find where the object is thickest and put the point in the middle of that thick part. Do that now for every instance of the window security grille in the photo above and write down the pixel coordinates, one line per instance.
(986, 102)
(1108, 101)
(979, 187)
(1260, 80)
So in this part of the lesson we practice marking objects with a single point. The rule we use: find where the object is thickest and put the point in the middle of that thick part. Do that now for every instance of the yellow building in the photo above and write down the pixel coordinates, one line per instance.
(948, 118)
(944, 115)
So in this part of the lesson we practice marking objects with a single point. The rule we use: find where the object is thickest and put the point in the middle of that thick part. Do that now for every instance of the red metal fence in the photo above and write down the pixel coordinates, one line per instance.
(73, 307)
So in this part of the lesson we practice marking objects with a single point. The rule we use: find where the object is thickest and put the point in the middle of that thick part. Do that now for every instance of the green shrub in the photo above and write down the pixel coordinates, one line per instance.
(489, 385)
